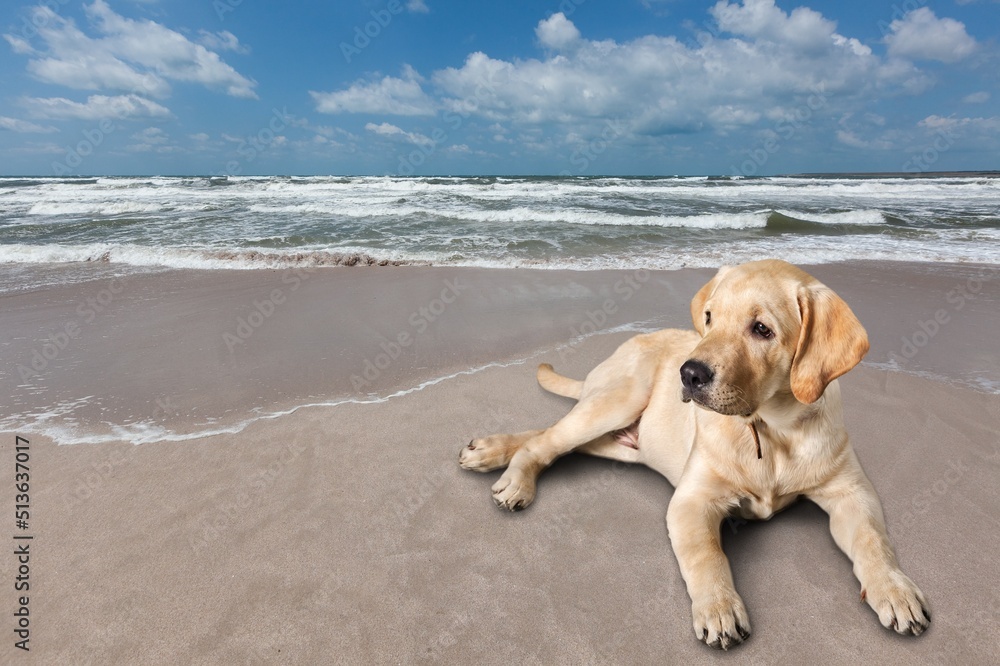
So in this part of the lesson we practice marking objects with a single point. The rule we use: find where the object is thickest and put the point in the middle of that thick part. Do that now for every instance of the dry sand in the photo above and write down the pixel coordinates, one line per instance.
(348, 533)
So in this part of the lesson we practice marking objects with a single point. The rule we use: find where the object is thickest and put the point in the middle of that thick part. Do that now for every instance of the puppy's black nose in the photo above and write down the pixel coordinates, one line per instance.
(696, 375)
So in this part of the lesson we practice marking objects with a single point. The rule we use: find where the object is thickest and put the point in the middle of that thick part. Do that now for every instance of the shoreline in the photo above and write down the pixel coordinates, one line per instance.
(183, 354)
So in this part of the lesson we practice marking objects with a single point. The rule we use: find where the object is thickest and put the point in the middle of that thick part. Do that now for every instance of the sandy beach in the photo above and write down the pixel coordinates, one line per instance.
(261, 467)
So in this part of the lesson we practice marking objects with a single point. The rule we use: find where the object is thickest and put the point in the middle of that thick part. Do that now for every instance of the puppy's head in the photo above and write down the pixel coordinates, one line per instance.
(768, 329)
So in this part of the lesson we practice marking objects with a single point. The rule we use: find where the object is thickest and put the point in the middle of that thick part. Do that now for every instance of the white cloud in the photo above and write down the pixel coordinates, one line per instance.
(761, 65)
(97, 107)
(389, 96)
(920, 35)
(127, 55)
(760, 19)
(850, 138)
(417, 7)
(19, 45)
(76, 61)
(656, 85)
(557, 32)
(950, 124)
(24, 127)
(168, 52)
(221, 41)
(977, 97)
(200, 137)
(389, 130)
(153, 135)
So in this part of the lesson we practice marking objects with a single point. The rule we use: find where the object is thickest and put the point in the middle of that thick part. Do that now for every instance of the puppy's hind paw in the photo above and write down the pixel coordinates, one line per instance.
(485, 454)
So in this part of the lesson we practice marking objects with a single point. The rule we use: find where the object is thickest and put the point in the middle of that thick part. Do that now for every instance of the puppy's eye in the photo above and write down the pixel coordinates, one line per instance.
(763, 331)
(708, 318)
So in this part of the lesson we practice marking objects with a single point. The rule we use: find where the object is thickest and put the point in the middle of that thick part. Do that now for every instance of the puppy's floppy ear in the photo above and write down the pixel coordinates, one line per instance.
(699, 300)
(831, 342)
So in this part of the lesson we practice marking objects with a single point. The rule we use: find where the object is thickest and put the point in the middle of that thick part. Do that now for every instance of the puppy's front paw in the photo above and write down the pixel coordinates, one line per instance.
(721, 621)
(486, 454)
(514, 491)
(900, 604)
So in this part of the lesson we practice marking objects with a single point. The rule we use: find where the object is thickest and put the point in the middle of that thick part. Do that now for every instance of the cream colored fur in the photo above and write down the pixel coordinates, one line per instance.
(698, 436)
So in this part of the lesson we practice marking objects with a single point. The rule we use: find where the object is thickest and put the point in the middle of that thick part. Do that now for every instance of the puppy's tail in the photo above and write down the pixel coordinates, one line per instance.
(553, 382)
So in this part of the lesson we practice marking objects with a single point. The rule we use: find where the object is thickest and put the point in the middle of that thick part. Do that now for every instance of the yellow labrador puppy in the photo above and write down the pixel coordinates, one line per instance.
(742, 417)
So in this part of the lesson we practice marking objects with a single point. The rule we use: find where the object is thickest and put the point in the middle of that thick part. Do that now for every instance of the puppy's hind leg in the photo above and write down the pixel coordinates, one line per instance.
(486, 454)
(613, 406)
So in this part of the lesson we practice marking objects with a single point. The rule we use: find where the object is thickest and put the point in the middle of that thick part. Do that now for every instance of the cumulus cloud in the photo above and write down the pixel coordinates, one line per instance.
(151, 139)
(921, 35)
(221, 41)
(980, 97)
(387, 96)
(97, 107)
(851, 138)
(557, 32)
(126, 55)
(24, 127)
(390, 130)
(804, 28)
(417, 7)
(761, 66)
(168, 52)
(772, 62)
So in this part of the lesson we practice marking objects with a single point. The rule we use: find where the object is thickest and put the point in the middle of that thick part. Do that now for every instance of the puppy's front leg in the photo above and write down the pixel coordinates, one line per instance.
(859, 529)
(720, 618)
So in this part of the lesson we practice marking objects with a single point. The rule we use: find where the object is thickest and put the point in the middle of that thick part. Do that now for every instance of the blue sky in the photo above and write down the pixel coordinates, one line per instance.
(573, 87)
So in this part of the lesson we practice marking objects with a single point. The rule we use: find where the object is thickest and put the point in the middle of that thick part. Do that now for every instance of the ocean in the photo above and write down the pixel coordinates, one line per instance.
(161, 363)
(145, 223)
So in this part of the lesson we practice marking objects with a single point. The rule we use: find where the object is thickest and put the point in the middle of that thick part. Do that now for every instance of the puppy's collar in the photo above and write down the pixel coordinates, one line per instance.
(756, 438)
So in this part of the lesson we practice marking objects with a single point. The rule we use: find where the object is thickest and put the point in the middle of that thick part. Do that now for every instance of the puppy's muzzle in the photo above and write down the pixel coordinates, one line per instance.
(696, 378)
